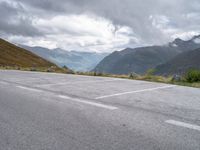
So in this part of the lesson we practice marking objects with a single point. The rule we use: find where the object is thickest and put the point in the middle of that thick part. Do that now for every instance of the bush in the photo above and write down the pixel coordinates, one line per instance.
(176, 78)
(133, 75)
(150, 72)
(193, 76)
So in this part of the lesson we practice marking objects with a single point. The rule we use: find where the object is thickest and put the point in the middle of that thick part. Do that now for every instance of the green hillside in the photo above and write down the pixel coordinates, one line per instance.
(14, 57)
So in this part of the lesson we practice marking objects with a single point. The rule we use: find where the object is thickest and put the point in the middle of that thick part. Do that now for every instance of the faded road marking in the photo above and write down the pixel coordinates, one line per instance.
(183, 124)
(88, 102)
(30, 89)
(137, 91)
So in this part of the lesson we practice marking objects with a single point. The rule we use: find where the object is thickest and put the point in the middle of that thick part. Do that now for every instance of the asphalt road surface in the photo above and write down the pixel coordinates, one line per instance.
(48, 111)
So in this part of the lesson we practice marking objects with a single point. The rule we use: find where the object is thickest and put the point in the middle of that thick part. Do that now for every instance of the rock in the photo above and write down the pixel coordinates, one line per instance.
(133, 75)
(176, 78)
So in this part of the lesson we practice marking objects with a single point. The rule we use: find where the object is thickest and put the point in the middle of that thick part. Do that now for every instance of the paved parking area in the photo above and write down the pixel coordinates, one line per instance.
(145, 115)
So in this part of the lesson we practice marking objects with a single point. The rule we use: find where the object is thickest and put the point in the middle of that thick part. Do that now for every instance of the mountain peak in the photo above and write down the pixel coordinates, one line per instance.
(178, 41)
(140, 59)
(196, 37)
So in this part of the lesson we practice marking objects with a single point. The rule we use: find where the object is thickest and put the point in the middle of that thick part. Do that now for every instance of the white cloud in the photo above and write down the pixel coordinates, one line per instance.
(159, 21)
(81, 32)
(169, 28)
(185, 35)
(98, 25)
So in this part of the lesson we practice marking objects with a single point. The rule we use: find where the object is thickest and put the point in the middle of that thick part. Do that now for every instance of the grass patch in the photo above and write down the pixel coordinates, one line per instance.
(53, 69)
(183, 83)
(147, 77)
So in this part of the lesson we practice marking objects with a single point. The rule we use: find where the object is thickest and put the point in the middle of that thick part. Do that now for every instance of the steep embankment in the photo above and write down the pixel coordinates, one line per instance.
(13, 56)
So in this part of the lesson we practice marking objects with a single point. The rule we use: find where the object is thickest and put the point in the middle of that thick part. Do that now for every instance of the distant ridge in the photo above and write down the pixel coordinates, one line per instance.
(139, 60)
(78, 61)
(180, 64)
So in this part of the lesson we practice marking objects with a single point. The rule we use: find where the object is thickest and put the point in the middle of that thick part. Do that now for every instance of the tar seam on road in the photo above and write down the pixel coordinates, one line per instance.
(183, 124)
(27, 88)
(80, 82)
(137, 91)
(88, 102)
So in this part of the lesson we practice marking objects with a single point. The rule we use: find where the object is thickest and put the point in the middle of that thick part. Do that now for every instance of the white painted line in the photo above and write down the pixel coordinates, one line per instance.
(77, 82)
(137, 91)
(30, 89)
(183, 124)
(88, 102)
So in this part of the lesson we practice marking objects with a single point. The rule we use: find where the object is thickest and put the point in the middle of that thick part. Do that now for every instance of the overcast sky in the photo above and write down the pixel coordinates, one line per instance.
(98, 25)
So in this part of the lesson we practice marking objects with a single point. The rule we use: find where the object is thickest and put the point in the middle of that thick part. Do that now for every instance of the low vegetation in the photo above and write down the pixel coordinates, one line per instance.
(52, 69)
(189, 79)
(192, 76)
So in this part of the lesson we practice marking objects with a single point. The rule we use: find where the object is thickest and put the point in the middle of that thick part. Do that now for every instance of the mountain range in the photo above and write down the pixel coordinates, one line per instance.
(180, 63)
(77, 61)
(139, 60)
(173, 58)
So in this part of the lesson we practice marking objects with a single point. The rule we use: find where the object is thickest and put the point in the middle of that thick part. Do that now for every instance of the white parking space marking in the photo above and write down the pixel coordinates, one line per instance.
(30, 89)
(77, 82)
(88, 102)
(137, 91)
(183, 124)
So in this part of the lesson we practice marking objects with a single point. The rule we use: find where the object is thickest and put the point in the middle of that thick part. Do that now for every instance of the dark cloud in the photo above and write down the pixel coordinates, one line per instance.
(14, 20)
(152, 21)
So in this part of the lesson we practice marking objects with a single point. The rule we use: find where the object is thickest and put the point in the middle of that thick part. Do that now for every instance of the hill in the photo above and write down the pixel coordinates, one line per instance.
(14, 56)
(139, 60)
(78, 61)
(180, 64)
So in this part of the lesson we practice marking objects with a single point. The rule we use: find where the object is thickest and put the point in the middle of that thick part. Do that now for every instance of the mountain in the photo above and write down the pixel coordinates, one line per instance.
(78, 61)
(14, 56)
(180, 63)
(139, 60)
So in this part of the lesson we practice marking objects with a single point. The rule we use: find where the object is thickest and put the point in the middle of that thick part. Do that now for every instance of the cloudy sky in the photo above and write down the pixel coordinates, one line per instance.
(98, 25)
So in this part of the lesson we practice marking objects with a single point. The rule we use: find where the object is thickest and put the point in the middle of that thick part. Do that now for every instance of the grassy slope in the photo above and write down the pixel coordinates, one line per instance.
(14, 57)
(11, 55)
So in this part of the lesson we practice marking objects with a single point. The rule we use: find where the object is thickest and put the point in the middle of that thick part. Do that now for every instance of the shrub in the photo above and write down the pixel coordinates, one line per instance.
(100, 74)
(176, 78)
(193, 76)
(133, 75)
(150, 72)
